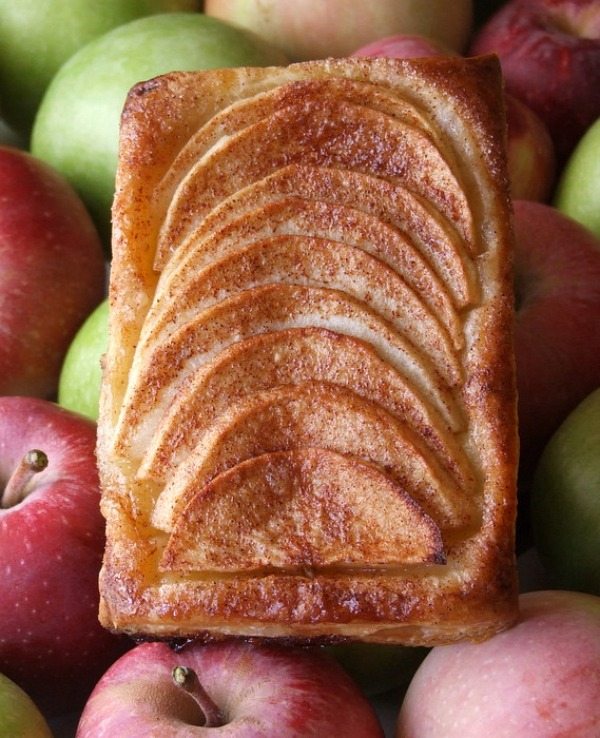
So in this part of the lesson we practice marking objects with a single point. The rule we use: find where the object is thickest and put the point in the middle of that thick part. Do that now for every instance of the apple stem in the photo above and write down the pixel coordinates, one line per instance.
(187, 679)
(31, 464)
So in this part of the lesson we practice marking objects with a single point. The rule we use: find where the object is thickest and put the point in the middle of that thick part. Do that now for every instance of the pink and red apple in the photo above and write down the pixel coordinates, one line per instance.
(51, 546)
(51, 272)
(540, 679)
(314, 29)
(229, 688)
(557, 342)
(550, 56)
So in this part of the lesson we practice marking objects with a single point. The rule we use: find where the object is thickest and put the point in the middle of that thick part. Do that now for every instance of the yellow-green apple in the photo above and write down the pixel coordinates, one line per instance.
(557, 341)
(51, 272)
(38, 36)
(566, 500)
(19, 715)
(315, 29)
(81, 374)
(77, 126)
(578, 191)
(51, 546)
(228, 688)
(550, 56)
(540, 679)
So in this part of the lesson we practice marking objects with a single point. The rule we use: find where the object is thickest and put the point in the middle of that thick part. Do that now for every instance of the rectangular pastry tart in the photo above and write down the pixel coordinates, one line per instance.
(308, 424)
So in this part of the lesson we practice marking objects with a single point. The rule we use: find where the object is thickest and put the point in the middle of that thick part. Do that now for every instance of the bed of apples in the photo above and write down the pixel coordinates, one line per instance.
(63, 76)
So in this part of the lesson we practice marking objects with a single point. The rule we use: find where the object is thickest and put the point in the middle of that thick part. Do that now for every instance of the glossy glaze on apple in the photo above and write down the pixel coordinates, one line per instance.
(308, 410)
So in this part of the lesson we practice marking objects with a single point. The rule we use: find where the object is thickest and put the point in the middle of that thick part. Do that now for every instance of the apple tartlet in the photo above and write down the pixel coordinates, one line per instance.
(308, 425)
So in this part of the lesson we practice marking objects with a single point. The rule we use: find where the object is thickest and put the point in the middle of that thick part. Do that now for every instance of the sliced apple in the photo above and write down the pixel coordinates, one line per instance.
(301, 509)
(293, 99)
(315, 262)
(421, 240)
(319, 133)
(286, 358)
(160, 370)
(325, 415)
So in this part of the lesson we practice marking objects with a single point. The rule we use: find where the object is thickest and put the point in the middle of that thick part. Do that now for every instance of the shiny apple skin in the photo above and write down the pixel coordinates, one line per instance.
(261, 691)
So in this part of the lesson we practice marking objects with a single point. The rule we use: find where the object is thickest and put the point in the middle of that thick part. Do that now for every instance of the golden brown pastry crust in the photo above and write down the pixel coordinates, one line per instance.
(410, 149)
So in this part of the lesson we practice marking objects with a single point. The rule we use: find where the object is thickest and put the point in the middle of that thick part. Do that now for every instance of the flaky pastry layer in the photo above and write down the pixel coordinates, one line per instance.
(308, 424)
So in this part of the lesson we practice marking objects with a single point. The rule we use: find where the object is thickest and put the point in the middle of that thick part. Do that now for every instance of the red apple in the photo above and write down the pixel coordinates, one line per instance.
(557, 342)
(315, 29)
(51, 546)
(51, 272)
(530, 151)
(540, 679)
(550, 56)
(230, 688)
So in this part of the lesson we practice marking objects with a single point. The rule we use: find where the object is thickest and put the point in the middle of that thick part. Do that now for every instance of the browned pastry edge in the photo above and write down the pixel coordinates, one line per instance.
(473, 596)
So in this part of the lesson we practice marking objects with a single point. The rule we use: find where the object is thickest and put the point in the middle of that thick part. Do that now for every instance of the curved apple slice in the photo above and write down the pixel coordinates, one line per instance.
(314, 262)
(294, 217)
(427, 241)
(259, 104)
(160, 368)
(306, 508)
(291, 357)
(324, 415)
(316, 132)
(289, 92)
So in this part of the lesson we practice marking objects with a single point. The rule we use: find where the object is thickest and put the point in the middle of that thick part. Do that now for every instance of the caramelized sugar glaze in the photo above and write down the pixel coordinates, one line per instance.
(307, 421)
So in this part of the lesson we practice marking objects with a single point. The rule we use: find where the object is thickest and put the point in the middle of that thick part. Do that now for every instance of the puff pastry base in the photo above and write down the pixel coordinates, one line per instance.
(308, 424)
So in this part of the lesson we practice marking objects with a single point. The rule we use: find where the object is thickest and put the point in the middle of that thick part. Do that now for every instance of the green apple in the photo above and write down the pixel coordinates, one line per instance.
(19, 716)
(566, 500)
(38, 36)
(578, 190)
(79, 384)
(379, 667)
(76, 129)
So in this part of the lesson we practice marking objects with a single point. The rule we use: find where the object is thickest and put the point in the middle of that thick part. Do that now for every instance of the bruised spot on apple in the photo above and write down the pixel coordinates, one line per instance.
(234, 688)
(51, 272)
(51, 546)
